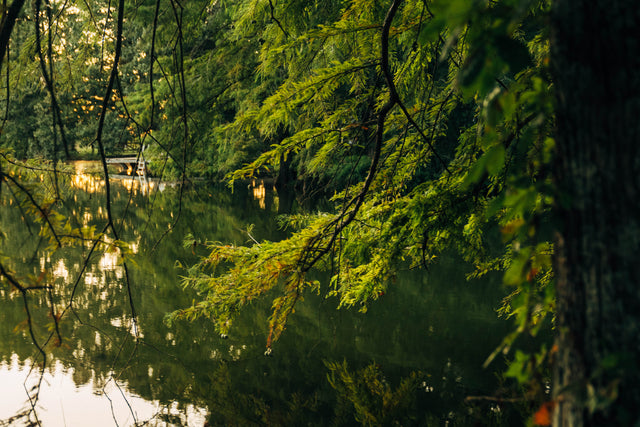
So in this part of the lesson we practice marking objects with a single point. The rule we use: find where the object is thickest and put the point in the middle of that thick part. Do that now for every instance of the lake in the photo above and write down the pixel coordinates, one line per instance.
(414, 357)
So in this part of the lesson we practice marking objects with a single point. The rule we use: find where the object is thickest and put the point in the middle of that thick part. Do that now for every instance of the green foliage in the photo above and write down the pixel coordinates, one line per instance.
(54, 121)
(254, 271)
(429, 122)
(438, 179)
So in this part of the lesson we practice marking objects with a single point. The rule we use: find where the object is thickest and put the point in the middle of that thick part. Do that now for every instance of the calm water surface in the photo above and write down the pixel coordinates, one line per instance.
(436, 325)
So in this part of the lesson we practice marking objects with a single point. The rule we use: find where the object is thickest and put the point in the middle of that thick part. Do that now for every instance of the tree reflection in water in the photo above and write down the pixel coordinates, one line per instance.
(108, 370)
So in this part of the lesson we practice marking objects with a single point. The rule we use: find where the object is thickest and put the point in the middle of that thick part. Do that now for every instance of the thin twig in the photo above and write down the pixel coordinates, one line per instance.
(274, 19)
(103, 157)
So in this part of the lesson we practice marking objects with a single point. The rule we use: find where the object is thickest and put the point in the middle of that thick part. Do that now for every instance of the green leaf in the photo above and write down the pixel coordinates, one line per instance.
(515, 275)
(475, 173)
(518, 368)
(495, 159)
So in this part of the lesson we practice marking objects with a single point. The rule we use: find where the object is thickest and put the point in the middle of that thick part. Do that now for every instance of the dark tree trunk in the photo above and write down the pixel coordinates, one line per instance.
(595, 55)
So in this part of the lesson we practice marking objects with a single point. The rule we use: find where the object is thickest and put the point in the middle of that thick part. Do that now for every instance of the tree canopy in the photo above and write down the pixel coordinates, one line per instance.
(429, 125)
(430, 132)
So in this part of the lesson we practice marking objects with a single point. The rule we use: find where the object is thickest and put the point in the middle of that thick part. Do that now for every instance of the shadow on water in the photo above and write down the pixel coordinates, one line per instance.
(412, 358)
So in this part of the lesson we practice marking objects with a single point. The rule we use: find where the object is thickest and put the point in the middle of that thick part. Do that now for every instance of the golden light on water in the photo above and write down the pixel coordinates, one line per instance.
(138, 185)
(82, 180)
(94, 182)
(259, 193)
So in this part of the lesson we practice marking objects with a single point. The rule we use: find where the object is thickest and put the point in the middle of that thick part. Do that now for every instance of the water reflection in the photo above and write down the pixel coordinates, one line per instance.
(69, 399)
(437, 324)
(88, 177)
(259, 192)
(85, 181)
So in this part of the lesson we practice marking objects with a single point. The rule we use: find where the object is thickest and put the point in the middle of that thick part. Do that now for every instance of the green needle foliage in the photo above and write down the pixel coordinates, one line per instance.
(429, 121)
(427, 124)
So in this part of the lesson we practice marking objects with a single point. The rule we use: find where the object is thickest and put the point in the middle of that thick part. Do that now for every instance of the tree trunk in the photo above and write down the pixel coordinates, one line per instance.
(595, 58)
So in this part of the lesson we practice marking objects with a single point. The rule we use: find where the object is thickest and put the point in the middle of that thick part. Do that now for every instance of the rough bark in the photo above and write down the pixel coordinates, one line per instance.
(595, 51)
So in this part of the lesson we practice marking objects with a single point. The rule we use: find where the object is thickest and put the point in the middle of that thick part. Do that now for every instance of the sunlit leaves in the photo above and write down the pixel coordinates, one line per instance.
(253, 272)
(462, 163)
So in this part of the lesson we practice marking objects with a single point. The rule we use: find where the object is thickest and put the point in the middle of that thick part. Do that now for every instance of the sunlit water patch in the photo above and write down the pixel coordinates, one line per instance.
(60, 401)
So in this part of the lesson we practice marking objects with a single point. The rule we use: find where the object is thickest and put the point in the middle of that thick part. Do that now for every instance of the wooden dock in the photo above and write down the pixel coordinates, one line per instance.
(139, 164)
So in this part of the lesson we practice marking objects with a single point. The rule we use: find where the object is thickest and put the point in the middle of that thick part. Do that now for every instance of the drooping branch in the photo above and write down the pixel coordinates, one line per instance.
(183, 89)
(12, 280)
(183, 96)
(47, 75)
(23, 291)
(104, 34)
(43, 213)
(393, 92)
(315, 249)
(152, 60)
(105, 105)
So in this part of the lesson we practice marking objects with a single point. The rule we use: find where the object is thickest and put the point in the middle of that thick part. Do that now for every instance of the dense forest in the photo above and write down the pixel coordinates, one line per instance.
(503, 130)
